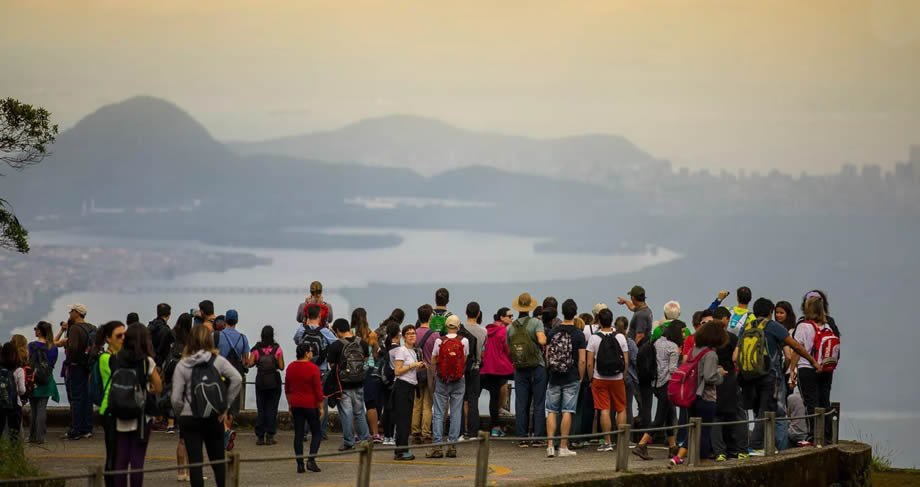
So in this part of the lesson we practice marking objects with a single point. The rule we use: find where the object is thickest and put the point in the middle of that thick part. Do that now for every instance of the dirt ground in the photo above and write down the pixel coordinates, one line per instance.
(896, 478)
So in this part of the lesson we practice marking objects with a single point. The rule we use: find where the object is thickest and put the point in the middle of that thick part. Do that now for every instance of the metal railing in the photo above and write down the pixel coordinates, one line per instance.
(365, 450)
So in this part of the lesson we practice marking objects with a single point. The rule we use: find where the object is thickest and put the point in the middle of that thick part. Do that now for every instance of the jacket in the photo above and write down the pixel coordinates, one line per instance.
(181, 386)
(496, 360)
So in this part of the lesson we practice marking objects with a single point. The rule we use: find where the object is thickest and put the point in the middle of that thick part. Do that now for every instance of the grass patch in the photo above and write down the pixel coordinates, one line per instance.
(15, 465)
(882, 454)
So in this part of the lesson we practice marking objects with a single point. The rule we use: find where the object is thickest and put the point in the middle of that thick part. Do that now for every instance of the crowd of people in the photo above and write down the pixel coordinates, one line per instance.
(406, 380)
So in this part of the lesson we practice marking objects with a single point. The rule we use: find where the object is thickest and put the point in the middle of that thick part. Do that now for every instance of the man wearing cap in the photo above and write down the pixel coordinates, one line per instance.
(316, 296)
(229, 340)
(77, 372)
(445, 393)
(640, 326)
(529, 380)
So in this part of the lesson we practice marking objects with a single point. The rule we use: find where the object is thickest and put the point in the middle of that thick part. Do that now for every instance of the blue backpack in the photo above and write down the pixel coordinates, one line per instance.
(96, 387)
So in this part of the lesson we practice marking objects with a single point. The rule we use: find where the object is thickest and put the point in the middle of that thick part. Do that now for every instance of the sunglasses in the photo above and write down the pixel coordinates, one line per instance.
(509, 316)
(119, 336)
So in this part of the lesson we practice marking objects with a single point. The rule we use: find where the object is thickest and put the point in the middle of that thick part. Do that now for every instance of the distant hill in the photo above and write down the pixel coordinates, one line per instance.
(430, 146)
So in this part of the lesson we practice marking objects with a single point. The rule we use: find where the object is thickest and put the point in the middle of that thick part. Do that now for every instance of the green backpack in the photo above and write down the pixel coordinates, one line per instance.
(524, 352)
(438, 322)
(753, 353)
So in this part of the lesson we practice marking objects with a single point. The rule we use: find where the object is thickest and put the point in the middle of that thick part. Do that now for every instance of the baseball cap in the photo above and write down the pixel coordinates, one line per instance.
(79, 308)
(453, 322)
(598, 307)
(637, 291)
(232, 316)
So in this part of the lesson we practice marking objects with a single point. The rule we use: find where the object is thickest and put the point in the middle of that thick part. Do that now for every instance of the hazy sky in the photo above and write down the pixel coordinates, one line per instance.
(799, 85)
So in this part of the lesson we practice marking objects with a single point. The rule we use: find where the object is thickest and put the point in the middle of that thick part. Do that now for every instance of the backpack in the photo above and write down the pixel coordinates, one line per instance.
(208, 393)
(41, 369)
(29, 375)
(683, 384)
(383, 371)
(471, 360)
(524, 352)
(646, 363)
(351, 362)
(9, 399)
(753, 353)
(737, 321)
(127, 390)
(559, 353)
(317, 341)
(267, 375)
(323, 311)
(84, 357)
(609, 360)
(96, 388)
(233, 356)
(451, 361)
(438, 322)
(826, 347)
(421, 374)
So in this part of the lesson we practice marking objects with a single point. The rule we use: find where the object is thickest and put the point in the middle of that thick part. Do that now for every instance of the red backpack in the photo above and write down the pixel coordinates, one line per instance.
(323, 311)
(451, 360)
(682, 387)
(826, 347)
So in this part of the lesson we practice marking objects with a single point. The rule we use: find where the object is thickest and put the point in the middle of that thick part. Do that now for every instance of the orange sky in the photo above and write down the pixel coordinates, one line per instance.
(704, 83)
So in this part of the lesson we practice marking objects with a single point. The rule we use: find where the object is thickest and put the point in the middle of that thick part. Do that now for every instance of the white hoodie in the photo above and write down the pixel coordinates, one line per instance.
(181, 394)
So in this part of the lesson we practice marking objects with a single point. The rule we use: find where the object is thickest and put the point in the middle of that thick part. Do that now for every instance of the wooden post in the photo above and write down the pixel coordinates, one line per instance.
(97, 478)
(693, 440)
(364, 463)
(835, 427)
(769, 434)
(623, 448)
(482, 460)
(819, 427)
(243, 395)
(233, 469)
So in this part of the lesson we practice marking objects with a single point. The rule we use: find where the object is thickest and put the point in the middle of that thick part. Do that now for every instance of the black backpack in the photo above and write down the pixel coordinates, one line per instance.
(233, 356)
(351, 363)
(317, 342)
(384, 371)
(646, 363)
(267, 375)
(41, 369)
(208, 393)
(609, 358)
(9, 397)
(127, 389)
(471, 358)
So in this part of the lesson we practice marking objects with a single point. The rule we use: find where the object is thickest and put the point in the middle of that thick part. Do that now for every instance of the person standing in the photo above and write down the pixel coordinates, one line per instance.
(233, 346)
(316, 298)
(640, 329)
(268, 360)
(741, 316)
(529, 369)
(78, 369)
(449, 358)
(42, 350)
(159, 332)
(608, 387)
(422, 408)
(667, 349)
(111, 336)
(814, 384)
(305, 395)
(12, 386)
(407, 363)
(476, 335)
(351, 407)
(565, 354)
(496, 369)
(320, 337)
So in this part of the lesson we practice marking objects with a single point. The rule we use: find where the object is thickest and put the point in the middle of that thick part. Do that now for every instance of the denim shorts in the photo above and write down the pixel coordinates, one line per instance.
(562, 398)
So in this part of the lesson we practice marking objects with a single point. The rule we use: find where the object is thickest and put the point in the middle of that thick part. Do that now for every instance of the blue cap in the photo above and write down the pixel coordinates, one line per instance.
(232, 316)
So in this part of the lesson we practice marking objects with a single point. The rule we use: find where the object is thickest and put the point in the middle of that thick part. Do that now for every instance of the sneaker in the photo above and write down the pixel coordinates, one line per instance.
(605, 447)
(721, 457)
(576, 445)
(311, 466)
(756, 453)
(170, 430)
(466, 437)
(87, 435)
(742, 456)
(523, 444)
(641, 451)
(346, 447)
(565, 452)
(378, 438)
(672, 451)
(435, 453)
(550, 451)
(69, 437)
(805, 443)
(389, 442)
(300, 468)
(451, 451)
(260, 441)
(497, 433)
(675, 461)
(538, 444)
(504, 412)
(357, 439)
(404, 457)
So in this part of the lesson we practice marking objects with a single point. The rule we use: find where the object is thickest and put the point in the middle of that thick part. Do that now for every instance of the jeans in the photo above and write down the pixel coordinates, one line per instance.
(816, 393)
(131, 452)
(387, 418)
(39, 425)
(726, 440)
(81, 405)
(402, 401)
(782, 427)
(472, 400)
(351, 408)
(267, 406)
(303, 417)
(421, 411)
(630, 394)
(562, 398)
(760, 396)
(530, 384)
(444, 392)
(210, 433)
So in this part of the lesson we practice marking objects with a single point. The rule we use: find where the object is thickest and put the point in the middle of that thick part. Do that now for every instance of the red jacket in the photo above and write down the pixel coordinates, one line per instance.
(302, 385)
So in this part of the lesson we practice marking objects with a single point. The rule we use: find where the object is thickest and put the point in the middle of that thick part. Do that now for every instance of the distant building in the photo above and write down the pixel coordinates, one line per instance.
(915, 154)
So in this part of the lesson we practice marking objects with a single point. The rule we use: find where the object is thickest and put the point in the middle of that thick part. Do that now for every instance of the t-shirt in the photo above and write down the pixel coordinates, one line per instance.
(594, 344)
(641, 322)
(408, 356)
(804, 333)
(590, 330)
(578, 343)
(428, 345)
(334, 356)
(230, 338)
(481, 335)
(437, 345)
(689, 343)
(533, 326)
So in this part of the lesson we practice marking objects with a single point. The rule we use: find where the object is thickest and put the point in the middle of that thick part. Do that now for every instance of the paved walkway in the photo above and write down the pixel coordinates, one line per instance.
(508, 463)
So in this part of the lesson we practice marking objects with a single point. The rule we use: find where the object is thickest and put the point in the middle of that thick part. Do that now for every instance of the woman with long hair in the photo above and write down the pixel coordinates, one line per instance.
(109, 339)
(667, 355)
(785, 315)
(38, 401)
(22, 349)
(496, 369)
(305, 396)
(814, 386)
(268, 360)
(137, 354)
(199, 349)
(363, 331)
(710, 337)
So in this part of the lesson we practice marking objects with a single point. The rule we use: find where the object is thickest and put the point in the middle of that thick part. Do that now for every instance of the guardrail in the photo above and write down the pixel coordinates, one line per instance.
(96, 474)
